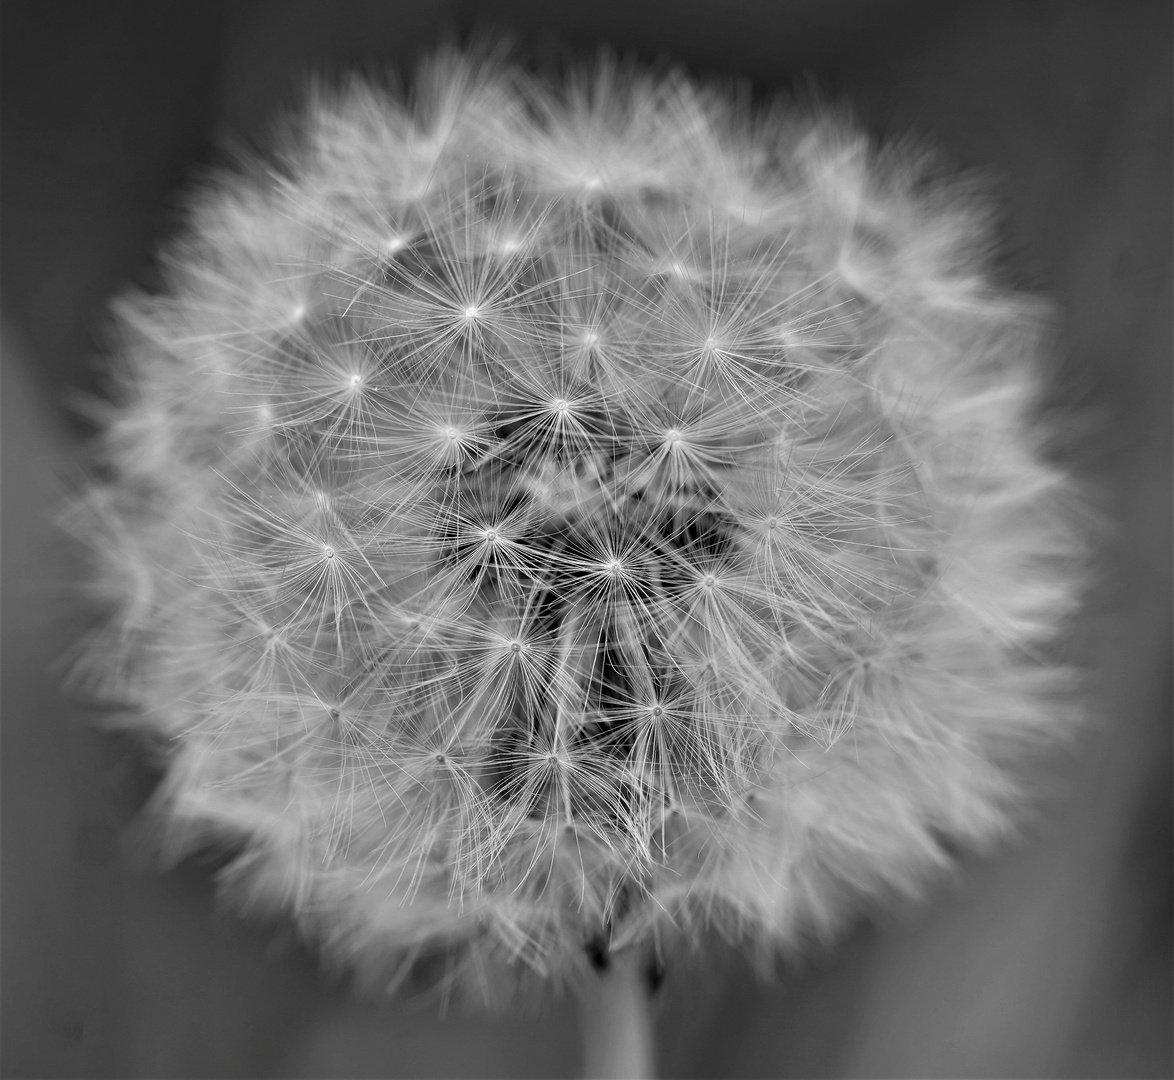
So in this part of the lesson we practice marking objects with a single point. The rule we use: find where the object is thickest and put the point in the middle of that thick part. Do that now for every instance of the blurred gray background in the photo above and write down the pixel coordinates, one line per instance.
(1052, 958)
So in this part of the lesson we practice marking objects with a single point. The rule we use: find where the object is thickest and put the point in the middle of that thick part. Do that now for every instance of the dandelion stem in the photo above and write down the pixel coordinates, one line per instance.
(616, 1020)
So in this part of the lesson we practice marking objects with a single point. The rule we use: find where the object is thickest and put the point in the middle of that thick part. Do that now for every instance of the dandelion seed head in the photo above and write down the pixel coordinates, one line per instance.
(562, 569)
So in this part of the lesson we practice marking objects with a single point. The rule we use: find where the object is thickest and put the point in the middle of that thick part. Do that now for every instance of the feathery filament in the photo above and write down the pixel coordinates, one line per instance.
(543, 517)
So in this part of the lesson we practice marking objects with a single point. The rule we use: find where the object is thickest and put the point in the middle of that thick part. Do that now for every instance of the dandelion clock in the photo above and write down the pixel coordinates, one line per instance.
(541, 523)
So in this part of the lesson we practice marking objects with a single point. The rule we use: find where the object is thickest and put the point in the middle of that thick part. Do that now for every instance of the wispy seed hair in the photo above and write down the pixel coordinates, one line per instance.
(542, 516)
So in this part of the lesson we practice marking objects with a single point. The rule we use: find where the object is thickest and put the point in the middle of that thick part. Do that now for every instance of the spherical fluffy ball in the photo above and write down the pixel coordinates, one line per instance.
(543, 517)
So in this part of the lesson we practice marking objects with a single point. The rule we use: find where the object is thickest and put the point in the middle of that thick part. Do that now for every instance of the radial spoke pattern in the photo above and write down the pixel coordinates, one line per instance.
(537, 519)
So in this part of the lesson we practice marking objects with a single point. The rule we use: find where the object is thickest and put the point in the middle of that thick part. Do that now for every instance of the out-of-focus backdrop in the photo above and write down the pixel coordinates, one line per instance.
(1051, 958)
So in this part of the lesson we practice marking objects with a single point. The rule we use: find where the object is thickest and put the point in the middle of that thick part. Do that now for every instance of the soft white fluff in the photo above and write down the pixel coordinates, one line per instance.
(545, 516)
